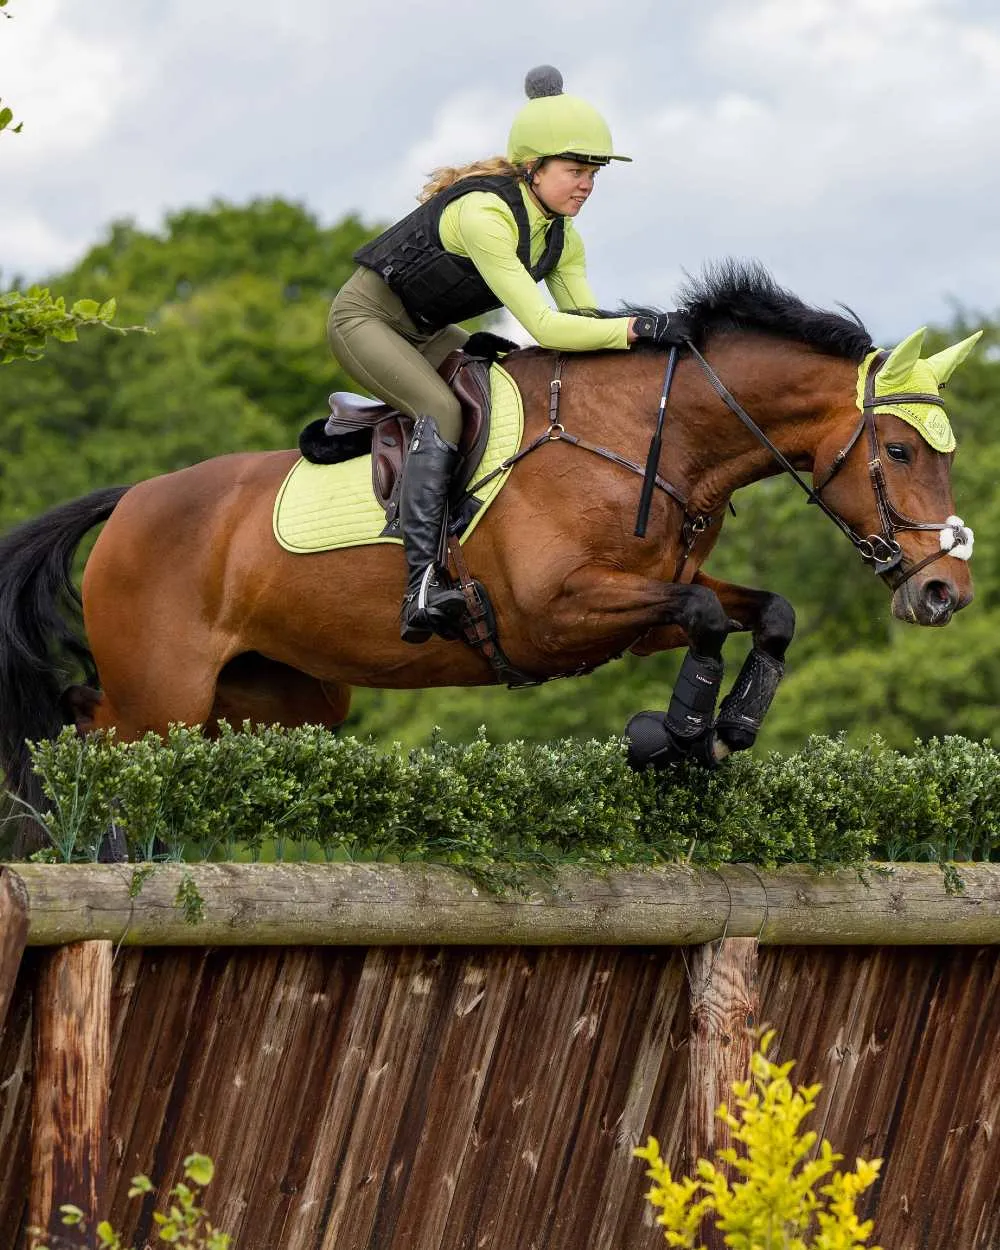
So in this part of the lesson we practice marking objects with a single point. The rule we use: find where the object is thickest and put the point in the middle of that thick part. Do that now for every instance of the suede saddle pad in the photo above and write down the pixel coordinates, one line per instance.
(323, 507)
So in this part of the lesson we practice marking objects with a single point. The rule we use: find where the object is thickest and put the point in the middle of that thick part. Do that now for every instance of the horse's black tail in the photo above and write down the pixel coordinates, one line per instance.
(42, 647)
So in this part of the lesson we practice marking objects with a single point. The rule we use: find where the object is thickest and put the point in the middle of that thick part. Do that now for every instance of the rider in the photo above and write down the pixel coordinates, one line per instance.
(482, 238)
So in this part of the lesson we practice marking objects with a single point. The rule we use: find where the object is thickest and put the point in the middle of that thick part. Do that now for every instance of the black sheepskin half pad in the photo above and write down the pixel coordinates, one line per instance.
(318, 447)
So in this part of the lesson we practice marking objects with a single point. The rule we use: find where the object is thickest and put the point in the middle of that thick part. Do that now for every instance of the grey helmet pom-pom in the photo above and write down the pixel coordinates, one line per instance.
(541, 81)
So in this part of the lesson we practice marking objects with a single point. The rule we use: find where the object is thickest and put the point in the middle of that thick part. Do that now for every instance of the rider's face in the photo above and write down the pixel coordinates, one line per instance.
(564, 186)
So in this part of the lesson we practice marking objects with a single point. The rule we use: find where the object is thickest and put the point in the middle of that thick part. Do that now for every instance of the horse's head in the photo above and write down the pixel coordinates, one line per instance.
(890, 481)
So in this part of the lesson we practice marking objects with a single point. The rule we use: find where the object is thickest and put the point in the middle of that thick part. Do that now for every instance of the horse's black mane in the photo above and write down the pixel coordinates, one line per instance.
(735, 295)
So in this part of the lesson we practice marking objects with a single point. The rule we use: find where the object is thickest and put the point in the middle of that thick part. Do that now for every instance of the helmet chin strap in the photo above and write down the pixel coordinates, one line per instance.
(528, 177)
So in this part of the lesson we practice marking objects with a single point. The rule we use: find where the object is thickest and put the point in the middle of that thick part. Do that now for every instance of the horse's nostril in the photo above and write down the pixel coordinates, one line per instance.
(940, 596)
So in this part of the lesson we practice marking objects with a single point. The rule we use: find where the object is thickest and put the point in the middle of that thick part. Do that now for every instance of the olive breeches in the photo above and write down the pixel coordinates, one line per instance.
(376, 341)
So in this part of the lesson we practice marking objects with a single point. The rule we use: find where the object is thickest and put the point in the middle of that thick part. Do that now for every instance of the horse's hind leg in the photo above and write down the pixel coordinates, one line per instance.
(264, 692)
(150, 680)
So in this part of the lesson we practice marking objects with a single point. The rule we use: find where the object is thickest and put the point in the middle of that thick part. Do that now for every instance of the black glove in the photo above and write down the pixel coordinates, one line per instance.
(662, 329)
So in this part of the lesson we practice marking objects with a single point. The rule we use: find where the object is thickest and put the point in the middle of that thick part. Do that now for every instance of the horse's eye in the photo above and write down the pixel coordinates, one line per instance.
(897, 451)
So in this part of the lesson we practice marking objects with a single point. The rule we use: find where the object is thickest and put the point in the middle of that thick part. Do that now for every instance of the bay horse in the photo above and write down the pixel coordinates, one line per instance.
(193, 612)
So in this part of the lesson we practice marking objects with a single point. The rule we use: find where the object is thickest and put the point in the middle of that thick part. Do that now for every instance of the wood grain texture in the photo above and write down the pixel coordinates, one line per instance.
(69, 1110)
(15, 1103)
(13, 933)
(428, 904)
(724, 1008)
(475, 1098)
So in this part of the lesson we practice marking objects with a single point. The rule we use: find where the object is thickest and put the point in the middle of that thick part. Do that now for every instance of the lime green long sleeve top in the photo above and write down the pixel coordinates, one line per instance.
(480, 227)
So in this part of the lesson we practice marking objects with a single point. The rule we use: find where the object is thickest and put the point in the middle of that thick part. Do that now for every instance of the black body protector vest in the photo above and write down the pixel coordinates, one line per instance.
(435, 286)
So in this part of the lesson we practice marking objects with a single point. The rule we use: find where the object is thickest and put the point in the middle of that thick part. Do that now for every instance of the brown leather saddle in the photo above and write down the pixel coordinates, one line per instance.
(357, 426)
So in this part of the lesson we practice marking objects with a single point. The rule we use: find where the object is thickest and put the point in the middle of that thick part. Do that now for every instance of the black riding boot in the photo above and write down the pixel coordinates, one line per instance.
(430, 605)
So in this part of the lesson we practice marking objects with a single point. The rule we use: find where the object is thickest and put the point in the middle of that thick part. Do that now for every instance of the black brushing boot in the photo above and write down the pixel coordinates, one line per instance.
(431, 605)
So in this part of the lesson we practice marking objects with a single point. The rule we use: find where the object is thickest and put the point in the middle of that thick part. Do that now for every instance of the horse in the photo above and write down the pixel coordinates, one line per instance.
(193, 613)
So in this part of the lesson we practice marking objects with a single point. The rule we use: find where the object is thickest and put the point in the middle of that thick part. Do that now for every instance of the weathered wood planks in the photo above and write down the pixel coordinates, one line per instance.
(69, 1123)
(13, 934)
(379, 1097)
(446, 1098)
(724, 1009)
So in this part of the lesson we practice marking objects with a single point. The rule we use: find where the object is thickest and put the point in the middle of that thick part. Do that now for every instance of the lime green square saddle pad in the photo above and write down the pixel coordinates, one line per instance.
(321, 507)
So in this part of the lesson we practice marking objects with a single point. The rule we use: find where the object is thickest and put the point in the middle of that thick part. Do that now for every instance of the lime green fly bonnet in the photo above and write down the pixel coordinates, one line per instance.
(908, 387)
(553, 124)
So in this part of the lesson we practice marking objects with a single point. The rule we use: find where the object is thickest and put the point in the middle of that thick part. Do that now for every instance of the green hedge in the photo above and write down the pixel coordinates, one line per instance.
(306, 793)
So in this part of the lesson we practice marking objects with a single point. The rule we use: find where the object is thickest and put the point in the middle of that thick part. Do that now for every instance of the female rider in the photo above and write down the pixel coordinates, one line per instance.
(482, 238)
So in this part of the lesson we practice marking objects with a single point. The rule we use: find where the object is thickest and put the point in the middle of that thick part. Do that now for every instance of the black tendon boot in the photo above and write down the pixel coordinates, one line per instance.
(430, 605)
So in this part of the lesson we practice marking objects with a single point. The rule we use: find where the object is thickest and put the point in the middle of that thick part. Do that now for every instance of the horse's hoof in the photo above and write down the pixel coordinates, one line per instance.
(706, 750)
(720, 750)
(650, 742)
(113, 848)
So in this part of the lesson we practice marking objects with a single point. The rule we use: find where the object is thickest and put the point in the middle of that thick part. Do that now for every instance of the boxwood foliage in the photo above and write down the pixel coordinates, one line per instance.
(266, 791)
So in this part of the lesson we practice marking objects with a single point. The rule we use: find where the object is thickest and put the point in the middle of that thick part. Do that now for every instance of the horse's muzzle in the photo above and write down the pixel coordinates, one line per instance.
(931, 601)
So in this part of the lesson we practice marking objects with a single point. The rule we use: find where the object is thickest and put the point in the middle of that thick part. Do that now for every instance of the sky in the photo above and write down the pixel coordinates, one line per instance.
(852, 146)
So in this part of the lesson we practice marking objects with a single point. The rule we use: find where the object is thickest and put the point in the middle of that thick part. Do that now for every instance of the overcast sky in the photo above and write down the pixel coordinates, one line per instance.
(851, 145)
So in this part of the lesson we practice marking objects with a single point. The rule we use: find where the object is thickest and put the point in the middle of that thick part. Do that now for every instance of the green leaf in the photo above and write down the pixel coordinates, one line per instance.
(70, 1213)
(109, 1239)
(107, 310)
(199, 1168)
(86, 308)
(6, 117)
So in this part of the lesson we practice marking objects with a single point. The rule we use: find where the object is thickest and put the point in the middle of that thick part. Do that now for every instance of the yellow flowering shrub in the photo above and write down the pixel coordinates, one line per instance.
(781, 1197)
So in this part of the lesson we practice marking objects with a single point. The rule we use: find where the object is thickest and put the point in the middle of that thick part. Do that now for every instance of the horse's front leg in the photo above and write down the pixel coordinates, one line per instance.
(686, 729)
(772, 620)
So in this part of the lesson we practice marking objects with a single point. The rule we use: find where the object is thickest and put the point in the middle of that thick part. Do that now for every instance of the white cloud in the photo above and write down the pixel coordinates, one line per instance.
(65, 86)
(852, 145)
(462, 130)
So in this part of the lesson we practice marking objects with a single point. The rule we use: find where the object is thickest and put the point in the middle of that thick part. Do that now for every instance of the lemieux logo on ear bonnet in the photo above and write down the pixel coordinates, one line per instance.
(905, 373)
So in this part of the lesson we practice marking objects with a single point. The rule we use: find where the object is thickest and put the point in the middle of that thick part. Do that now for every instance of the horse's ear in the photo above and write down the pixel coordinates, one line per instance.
(895, 373)
(945, 363)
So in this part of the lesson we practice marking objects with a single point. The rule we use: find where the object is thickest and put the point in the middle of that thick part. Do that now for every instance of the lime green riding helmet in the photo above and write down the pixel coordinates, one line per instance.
(553, 124)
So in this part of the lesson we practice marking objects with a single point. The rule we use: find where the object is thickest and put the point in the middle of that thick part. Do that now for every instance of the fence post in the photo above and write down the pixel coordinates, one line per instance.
(13, 934)
(72, 1055)
(723, 988)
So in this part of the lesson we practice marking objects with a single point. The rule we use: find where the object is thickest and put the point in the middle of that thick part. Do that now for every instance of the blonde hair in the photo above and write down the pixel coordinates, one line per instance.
(448, 175)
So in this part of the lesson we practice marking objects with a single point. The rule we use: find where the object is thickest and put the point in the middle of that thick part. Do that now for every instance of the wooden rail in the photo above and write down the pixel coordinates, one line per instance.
(426, 904)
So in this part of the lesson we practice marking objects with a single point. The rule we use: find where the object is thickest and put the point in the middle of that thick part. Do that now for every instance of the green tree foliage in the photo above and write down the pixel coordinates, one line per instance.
(238, 297)
(28, 319)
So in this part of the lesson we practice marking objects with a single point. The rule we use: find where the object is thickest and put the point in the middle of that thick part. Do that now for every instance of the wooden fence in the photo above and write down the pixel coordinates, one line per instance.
(393, 1059)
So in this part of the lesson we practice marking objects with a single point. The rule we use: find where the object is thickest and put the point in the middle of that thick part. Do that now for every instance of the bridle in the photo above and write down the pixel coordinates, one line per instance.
(881, 552)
